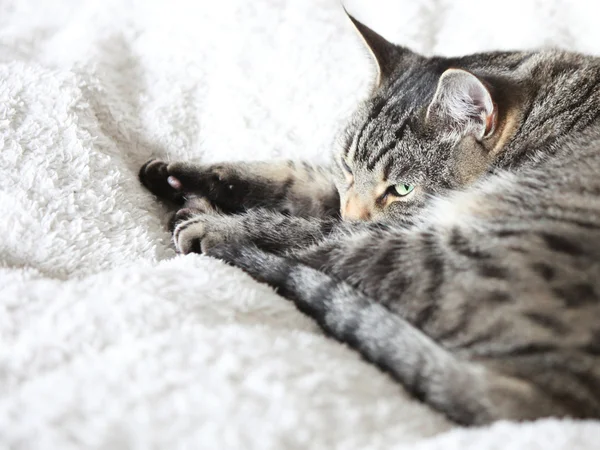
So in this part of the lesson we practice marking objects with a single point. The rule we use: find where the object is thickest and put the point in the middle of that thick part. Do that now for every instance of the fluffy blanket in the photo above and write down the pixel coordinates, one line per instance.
(107, 339)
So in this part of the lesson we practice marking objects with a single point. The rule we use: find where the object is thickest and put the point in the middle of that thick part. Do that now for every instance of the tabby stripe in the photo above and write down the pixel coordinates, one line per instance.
(498, 297)
(382, 151)
(589, 382)
(573, 107)
(389, 164)
(357, 151)
(398, 135)
(548, 322)
(569, 108)
(590, 120)
(492, 333)
(492, 271)
(461, 245)
(546, 271)
(529, 349)
(561, 244)
(370, 119)
(390, 104)
(576, 294)
(434, 265)
(583, 402)
(459, 326)
(569, 220)
(424, 315)
(593, 346)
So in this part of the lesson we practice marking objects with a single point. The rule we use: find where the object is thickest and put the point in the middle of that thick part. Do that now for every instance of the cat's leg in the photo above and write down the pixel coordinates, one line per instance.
(265, 228)
(468, 392)
(294, 188)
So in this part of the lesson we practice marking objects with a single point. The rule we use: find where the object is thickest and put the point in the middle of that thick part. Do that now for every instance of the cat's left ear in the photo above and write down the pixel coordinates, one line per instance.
(386, 55)
(462, 105)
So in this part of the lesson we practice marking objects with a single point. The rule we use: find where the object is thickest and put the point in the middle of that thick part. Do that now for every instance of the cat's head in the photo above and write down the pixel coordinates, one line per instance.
(431, 125)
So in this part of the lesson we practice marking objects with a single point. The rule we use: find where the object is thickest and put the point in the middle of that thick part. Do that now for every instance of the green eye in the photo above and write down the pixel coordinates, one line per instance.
(402, 190)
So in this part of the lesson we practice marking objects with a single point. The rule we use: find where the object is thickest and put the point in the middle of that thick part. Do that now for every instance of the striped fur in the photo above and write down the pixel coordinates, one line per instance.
(480, 289)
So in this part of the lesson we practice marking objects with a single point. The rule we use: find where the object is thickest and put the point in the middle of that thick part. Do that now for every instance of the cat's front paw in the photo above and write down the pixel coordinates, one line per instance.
(194, 206)
(201, 232)
(221, 184)
(155, 176)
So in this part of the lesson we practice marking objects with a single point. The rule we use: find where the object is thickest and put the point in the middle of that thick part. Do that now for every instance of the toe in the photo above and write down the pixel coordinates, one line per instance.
(174, 182)
(154, 175)
(181, 216)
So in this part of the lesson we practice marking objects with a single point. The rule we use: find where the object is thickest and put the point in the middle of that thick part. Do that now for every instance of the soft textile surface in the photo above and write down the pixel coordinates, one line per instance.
(107, 340)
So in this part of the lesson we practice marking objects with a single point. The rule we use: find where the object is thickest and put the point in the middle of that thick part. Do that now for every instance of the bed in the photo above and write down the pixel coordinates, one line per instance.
(108, 340)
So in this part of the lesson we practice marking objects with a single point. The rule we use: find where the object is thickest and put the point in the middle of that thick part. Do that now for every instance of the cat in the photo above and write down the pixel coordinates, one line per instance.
(454, 241)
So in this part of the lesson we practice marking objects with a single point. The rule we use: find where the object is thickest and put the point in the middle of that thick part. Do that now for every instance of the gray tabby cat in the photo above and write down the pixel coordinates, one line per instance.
(467, 263)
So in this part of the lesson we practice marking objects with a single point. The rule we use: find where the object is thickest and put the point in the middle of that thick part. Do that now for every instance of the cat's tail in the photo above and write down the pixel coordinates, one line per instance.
(467, 392)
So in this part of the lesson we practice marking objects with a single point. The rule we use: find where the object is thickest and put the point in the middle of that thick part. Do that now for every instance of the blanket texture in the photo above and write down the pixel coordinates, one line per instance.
(107, 339)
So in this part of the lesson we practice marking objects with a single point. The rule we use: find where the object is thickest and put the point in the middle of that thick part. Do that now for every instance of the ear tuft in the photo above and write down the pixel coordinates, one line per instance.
(462, 106)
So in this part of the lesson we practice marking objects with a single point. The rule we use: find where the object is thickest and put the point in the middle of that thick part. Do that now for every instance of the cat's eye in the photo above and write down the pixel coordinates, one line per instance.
(401, 189)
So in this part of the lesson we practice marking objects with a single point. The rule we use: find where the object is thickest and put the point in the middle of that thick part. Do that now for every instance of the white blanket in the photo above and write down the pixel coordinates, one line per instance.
(107, 340)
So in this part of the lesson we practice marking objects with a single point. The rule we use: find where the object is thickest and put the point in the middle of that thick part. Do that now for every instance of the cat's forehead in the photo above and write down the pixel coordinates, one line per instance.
(389, 124)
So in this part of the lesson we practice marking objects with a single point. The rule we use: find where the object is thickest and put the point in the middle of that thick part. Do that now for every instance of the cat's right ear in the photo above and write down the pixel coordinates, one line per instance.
(462, 105)
(385, 54)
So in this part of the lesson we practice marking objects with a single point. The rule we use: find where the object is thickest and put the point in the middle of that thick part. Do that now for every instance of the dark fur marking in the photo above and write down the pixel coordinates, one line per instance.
(358, 152)
(424, 315)
(588, 120)
(572, 108)
(517, 249)
(384, 262)
(546, 271)
(418, 385)
(287, 185)
(575, 389)
(461, 245)
(527, 350)
(576, 294)
(380, 154)
(498, 328)
(351, 263)
(508, 233)
(519, 63)
(389, 164)
(552, 324)
(317, 304)
(434, 263)
(593, 346)
(455, 329)
(375, 111)
(498, 296)
(562, 244)
(490, 271)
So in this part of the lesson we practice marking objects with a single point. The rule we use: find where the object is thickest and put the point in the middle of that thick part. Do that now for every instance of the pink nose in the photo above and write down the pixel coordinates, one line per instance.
(355, 210)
